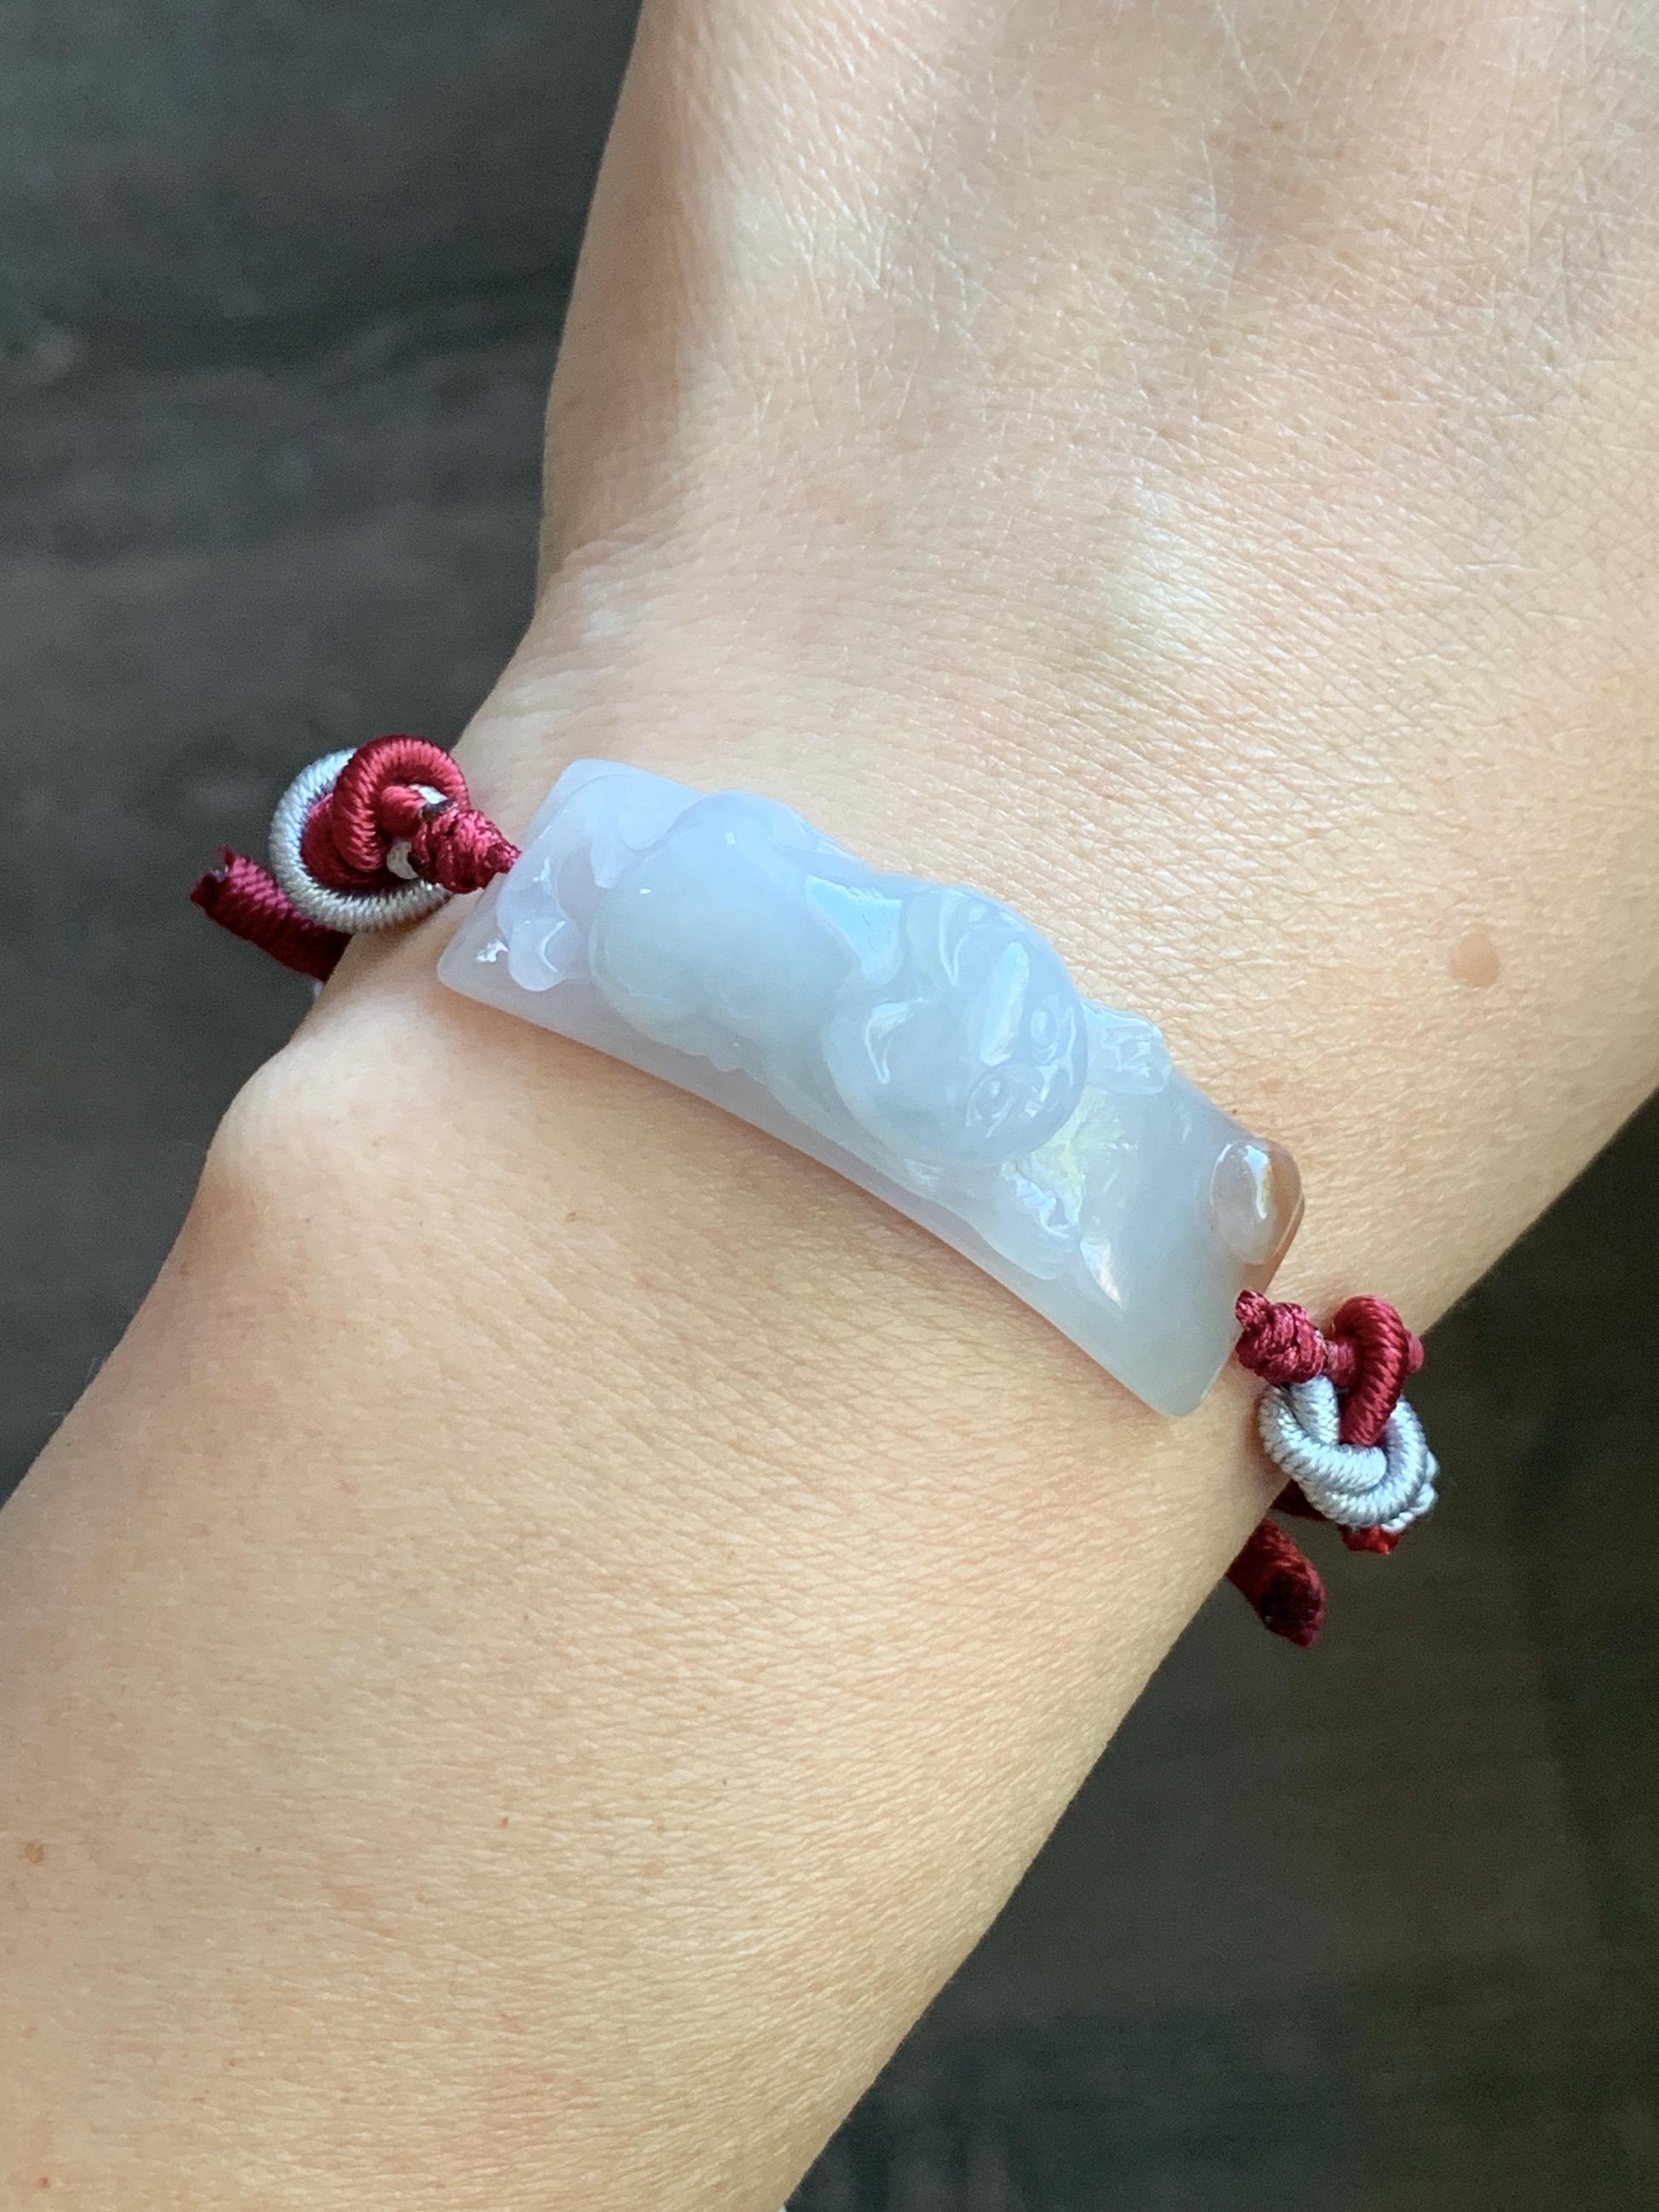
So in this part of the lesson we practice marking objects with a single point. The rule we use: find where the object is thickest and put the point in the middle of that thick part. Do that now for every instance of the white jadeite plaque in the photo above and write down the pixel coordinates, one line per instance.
(921, 1039)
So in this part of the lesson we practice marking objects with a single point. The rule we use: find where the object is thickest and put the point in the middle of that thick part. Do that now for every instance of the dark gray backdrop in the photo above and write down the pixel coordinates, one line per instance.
(279, 287)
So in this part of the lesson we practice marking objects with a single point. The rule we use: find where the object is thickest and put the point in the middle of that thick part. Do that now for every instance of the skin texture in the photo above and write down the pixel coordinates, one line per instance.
(562, 1622)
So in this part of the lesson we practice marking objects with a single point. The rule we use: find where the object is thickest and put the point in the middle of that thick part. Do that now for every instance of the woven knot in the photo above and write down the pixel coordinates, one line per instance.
(1368, 1354)
(384, 792)
(1384, 1485)
(1334, 1423)
(1281, 1343)
(359, 841)
(459, 847)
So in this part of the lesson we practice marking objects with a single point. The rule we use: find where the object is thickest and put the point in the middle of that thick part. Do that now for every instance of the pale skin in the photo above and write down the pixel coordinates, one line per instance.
(562, 1622)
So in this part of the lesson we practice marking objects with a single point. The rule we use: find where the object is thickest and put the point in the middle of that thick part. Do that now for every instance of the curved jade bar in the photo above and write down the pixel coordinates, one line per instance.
(920, 1039)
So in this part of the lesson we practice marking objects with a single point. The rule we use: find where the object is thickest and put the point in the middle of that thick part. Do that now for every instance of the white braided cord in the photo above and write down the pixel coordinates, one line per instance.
(1385, 1485)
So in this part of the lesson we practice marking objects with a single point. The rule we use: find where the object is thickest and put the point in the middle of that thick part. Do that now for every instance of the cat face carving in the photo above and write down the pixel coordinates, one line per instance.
(946, 1025)
(973, 1048)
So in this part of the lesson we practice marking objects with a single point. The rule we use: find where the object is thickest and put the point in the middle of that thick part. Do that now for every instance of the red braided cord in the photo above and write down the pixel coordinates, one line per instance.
(1372, 1356)
(1282, 1344)
(451, 845)
(247, 900)
(325, 861)
(460, 848)
(1282, 1584)
(359, 835)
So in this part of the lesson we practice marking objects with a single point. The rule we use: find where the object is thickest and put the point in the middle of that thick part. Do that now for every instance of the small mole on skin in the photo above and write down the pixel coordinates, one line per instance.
(36, 1855)
(1474, 961)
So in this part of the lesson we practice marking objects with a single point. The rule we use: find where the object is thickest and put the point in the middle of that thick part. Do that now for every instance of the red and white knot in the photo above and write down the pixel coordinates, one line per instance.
(322, 882)
(361, 840)
(1351, 1451)
(1386, 1486)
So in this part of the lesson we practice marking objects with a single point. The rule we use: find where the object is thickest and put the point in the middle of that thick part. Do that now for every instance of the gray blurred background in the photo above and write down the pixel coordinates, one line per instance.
(280, 285)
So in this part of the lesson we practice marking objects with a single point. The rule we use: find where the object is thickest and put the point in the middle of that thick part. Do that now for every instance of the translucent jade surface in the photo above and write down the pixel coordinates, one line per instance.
(920, 1039)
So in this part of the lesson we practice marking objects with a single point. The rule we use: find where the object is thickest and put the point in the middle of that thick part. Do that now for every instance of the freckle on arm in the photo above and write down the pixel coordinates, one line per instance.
(1474, 961)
